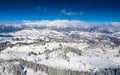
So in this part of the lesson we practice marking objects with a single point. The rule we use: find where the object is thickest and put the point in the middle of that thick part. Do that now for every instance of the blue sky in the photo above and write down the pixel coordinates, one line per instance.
(84, 10)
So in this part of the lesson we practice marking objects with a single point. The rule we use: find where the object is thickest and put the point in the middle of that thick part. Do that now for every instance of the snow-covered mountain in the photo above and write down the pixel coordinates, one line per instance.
(60, 47)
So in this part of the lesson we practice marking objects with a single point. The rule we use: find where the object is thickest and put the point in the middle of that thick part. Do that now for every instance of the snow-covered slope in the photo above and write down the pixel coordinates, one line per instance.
(76, 50)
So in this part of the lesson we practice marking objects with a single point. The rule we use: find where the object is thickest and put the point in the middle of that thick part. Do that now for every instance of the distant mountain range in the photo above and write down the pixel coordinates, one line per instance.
(63, 25)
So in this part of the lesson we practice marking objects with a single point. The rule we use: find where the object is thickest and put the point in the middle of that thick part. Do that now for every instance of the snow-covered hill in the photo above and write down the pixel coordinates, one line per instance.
(84, 48)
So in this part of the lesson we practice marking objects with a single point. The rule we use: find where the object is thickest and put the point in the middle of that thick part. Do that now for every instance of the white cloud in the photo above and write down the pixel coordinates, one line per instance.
(69, 13)
(41, 8)
(63, 11)
(81, 13)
